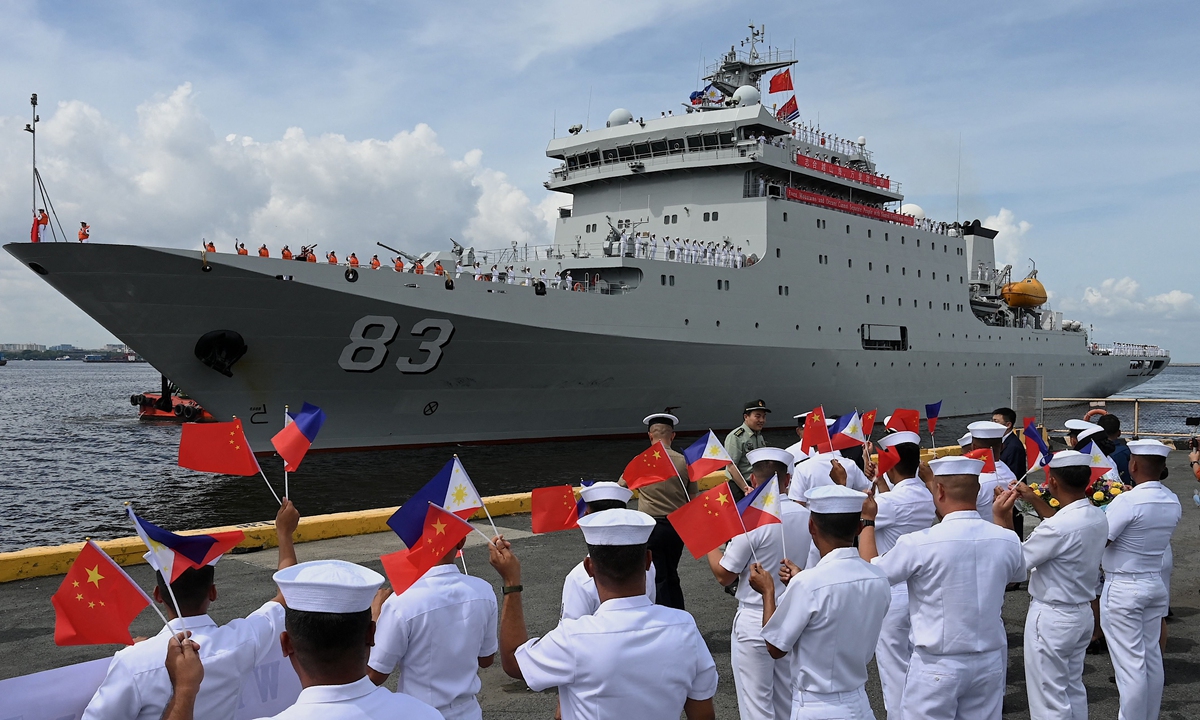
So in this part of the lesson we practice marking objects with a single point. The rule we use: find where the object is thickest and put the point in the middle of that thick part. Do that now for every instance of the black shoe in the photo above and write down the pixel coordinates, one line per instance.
(1099, 646)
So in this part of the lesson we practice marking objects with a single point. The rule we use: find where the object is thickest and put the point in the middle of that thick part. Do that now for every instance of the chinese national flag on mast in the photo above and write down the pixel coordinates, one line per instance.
(651, 466)
(781, 82)
(96, 602)
(217, 448)
(710, 519)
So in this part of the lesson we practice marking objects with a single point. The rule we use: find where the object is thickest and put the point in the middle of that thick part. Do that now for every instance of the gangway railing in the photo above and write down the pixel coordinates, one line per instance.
(1140, 417)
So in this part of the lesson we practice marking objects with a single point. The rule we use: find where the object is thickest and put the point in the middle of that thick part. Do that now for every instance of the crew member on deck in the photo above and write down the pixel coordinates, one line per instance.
(263, 251)
(331, 257)
(40, 222)
(398, 264)
(746, 437)
(241, 248)
(286, 253)
(85, 231)
(352, 261)
(375, 262)
(210, 247)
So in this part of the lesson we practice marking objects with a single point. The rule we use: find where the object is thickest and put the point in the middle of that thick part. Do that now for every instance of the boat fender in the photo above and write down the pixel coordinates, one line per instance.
(351, 275)
(136, 400)
(189, 412)
(539, 288)
(178, 410)
(1094, 412)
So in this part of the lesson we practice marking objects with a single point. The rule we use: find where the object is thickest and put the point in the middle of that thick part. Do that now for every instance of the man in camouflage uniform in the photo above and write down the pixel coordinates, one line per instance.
(746, 437)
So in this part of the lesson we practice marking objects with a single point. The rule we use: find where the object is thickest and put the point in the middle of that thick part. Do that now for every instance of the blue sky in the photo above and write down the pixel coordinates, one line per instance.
(164, 122)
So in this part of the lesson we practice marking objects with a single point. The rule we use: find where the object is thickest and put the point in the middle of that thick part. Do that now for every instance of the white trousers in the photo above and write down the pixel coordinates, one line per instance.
(894, 649)
(1131, 612)
(1056, 639)
(764, 685)
(852, 705)
(1168, 567)
(966, 686)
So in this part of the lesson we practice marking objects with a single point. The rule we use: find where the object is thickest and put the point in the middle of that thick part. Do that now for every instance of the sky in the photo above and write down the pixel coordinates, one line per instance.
(1068, 126)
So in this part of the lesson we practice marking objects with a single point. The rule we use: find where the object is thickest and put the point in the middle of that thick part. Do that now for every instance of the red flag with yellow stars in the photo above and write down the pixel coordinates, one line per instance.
(96, 602)
(217, 448)
(553, 509)
(650, 467)
(816, 434)
(443, 531)
(710, 519)
(984, 454)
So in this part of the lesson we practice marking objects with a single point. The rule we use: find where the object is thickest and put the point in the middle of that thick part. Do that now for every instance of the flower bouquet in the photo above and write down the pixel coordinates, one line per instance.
(1102, 490)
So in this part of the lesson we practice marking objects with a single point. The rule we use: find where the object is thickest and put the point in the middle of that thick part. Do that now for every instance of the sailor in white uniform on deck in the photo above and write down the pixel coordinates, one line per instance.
(956, 573)
(1063, 557)
(579, 596)
(990, 435)
(1140, 524)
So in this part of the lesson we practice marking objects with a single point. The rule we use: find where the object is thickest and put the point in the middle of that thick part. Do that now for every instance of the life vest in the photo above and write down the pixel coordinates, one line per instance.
(242, 250)
(311, 257)
(353, 260)
(210, 248)
(438, 269)
(374, 263)
(286, 254)
(331, 257)
(264, 252)
(419, 269)
(399, 265)
(85, 232)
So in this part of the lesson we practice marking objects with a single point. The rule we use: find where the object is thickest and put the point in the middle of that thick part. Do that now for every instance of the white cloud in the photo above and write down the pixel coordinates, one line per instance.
(1010, 246)
(1123, 299)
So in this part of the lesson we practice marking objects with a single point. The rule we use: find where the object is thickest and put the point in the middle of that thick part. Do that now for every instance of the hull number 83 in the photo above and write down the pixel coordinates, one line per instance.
(368, 354)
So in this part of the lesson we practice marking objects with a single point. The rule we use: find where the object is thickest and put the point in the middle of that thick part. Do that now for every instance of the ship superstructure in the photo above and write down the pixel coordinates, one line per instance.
(708, 255)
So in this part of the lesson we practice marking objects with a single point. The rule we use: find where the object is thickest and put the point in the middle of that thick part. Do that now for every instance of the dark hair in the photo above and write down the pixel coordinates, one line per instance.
(839, 526)
(774, 468)
(1110, 423)
(190, 588)
(1106, 445)
(596, 506)
(326, 642)
(1009, 415)
(1075, 477)
(910, 458)
(618, 563)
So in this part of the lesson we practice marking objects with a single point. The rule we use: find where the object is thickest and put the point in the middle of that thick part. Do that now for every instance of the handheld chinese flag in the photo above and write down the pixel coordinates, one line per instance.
(443, 530)
(710, 519)
(905, 419)
(816, 434)
(847, 432)
(984, 454)
(887, 459)
(868, 423)
(781, 81)
(451, 488)
(217, 448)
(1036, 452)
(761, 506)
(931, 415)
(706, 455)
(96, 602)
(298, 433)
(649, 467)
(554, 509)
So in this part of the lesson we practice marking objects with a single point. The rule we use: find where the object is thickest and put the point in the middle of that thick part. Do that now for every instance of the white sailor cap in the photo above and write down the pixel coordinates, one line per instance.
(896, 438)
(1088, 432)
(796, 451)
(802, 415)
(986, 429)
(829, 422)
(1076, 424)
(965, 439)
(887, 420)
(605, 491)
(616, 527)
(662, 417)
(1148, 447)
(956, 465)
(833, 499)
(1070, 458)
(329, 586)
(772, 453)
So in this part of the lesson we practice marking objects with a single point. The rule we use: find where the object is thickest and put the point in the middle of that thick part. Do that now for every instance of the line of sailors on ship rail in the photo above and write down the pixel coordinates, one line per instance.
(908, 565)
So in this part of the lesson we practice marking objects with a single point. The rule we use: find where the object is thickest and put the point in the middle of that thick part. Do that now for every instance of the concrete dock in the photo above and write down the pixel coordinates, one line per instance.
(244, 582)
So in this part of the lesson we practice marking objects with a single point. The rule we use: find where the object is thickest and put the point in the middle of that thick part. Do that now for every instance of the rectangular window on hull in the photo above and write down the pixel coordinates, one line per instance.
(884, 337)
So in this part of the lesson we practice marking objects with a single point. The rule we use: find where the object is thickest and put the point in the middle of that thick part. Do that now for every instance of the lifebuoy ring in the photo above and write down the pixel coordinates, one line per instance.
(578, 287)
(1094, 412)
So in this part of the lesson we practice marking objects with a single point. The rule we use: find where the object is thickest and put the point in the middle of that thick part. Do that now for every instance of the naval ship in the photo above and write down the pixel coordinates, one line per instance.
(804, 280)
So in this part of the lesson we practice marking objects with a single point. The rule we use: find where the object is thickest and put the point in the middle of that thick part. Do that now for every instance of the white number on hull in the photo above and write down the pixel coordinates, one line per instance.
(378, 346)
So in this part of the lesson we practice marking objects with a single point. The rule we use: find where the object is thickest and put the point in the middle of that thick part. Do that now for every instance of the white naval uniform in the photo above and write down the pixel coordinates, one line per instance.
(814, 472)
(359, 700)
(829, 619)
(956, 573)
(580, 597)
(436, 631)
(137, 685)
(1063, 556)
(631, 659)
(764, 685)
(1140, 524)
(907, 507)
(988, 482)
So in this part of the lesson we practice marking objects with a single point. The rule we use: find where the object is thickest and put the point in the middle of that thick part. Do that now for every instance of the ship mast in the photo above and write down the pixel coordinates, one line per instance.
(32, 129)
(39, 187)
(736, 68)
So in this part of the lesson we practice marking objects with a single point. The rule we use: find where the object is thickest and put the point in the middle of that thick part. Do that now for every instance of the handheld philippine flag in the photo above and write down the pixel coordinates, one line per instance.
(96, 601)
(451, 489)
(847, 432)
(172, 554)
(705, 456)
(653, 465)
(1098, 461)
(790, 111)
(441, 532)
(708, 520)
(298, 433)
(816, 434)
(554, 509)
(905, 419)
(931, 415)
(1036, 452)
(217, 448)
(887, 459)
(984, 454)
(761, 506)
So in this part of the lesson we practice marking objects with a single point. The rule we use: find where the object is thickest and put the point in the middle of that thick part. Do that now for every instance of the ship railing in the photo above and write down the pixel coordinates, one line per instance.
(638, 248)
(1128, 350)
(1141, 417)
(675, 157)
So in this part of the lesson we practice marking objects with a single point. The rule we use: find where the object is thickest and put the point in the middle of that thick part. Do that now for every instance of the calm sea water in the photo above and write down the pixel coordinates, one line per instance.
(72, 451)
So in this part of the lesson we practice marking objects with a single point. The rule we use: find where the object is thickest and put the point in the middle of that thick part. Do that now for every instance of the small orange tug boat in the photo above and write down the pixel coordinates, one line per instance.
(169, 405)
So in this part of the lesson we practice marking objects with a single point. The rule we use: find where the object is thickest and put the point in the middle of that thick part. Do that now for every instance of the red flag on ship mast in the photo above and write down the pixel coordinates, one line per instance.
(781, 81)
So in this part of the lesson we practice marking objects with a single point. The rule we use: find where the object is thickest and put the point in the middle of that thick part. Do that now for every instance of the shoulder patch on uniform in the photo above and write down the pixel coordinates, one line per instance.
(739, 432)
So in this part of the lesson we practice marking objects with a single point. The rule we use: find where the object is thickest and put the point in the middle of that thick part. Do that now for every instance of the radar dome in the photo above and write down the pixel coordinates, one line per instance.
(620, 116)
(862, 140)
(914, 210)
(746, 95)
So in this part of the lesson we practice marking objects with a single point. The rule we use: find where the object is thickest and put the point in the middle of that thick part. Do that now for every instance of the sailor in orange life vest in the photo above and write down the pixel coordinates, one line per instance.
(263, 251)
(352, 260)
(38, 232)
(209, 247)
(375, 262)
(437, 268)
(241, 248)
(331, 256)
(398, 264)
(286, 253)
(419, 269)
(85, 231)
(310, 257)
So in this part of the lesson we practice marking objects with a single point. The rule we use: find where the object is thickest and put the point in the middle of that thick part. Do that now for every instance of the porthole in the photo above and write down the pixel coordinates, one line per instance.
(755, 326)
(718, 323)
(706, 217)
(776, 252)
(785, 217)
(715, 214)
(685, 321)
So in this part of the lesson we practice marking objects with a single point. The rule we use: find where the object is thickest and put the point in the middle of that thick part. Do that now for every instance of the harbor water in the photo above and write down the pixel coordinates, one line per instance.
(72, 451)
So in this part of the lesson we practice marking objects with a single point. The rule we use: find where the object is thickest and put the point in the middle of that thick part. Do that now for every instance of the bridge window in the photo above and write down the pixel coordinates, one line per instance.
(884, 337)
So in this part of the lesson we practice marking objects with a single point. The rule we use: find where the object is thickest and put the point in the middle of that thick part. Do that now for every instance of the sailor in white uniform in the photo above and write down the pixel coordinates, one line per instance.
(137, 685)
(1140, 524)
(579, 595)
(438, 667)
(956, 573)
(1063, 557)
(905, 505)
(815, 471)
(763, 683)
(990, 435)
(328, 637)
(632, 658)
(830, 615)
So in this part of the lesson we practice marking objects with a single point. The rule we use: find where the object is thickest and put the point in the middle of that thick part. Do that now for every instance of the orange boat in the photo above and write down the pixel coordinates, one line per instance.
(169, 405)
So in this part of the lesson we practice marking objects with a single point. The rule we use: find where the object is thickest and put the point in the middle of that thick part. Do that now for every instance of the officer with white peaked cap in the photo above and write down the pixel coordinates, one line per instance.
(905, 506)
(830, 614)
(1140, 524)
(579, 596)
(956, 573)
(637, 659)
(990, 435)
(1079, 431)
(1063, 556)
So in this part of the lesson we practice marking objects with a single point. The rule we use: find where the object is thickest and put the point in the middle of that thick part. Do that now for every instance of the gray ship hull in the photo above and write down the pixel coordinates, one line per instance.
(490, 362)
